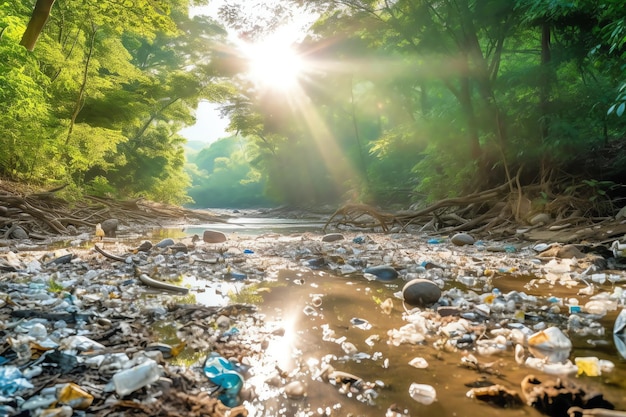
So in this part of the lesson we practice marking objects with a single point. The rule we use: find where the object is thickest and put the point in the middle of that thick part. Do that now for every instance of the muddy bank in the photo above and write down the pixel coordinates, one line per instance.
(306, 329)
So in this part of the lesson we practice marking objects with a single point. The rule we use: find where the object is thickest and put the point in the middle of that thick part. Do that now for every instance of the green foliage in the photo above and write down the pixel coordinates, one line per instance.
(620, 102)
(420, 99)
(100, 187)
(222, 176)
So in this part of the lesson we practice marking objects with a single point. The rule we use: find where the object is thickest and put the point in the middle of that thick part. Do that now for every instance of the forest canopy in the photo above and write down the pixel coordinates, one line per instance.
(381, 102)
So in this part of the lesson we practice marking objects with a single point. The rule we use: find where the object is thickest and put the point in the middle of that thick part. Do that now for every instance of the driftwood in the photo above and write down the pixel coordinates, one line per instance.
(42, 214)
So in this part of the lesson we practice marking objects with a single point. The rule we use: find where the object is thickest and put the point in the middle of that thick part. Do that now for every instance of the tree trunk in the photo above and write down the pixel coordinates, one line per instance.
(36, 23)
(465, 98)
(80, 100)
(544, 80)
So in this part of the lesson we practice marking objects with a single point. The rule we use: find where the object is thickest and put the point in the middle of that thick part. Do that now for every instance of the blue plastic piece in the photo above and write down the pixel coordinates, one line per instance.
(12, 381)
(248, 251)
(224, 374)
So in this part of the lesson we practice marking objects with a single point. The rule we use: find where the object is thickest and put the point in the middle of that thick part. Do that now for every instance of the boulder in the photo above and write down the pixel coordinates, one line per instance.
(421, 293)
(18, 233)
(110, 227)
(332, 237)
(462, 239)
(213, 236)
(165, 243)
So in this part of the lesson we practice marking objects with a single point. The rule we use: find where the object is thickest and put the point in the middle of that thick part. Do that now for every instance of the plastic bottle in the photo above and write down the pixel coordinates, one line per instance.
(423, 393)
(132, 379)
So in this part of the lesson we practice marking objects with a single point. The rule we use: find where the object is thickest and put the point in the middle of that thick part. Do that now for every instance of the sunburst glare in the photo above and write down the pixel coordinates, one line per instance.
(273, 64)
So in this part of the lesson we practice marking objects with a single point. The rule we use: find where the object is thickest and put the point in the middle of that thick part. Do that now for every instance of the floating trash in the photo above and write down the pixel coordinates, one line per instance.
(422, 393)
(419, 363)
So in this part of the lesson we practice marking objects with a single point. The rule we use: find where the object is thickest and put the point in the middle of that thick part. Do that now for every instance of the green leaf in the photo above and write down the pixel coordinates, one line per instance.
(620, 109)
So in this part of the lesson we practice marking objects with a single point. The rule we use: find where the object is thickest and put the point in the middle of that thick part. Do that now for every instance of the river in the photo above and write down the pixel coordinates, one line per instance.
(322, 310)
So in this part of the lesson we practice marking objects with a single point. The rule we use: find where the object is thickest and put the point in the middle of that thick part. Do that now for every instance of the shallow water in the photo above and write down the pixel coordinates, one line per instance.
(287, 301)
(258, 225)
(346, 298)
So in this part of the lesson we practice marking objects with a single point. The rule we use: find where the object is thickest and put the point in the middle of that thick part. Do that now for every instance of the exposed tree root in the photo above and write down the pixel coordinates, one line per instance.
(43, 214)
(498, 213)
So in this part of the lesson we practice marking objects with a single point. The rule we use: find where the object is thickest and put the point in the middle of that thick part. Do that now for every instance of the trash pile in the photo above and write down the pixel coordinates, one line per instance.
(80, 324)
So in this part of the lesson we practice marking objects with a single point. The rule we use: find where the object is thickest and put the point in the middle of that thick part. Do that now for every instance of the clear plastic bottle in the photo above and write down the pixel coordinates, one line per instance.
(132, 379)
(423, 393)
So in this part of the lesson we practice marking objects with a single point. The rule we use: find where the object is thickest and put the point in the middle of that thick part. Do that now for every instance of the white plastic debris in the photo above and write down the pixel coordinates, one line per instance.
(422, 393)
(550, 339)
(132, 379)
(419, 363)
(567, 368)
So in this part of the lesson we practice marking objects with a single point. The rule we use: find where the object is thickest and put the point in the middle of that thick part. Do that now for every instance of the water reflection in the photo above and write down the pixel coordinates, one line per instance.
(320, 340)
(257, 226)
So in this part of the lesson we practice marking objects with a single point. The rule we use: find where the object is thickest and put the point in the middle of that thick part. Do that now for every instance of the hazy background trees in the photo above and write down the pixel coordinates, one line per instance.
(400, 102)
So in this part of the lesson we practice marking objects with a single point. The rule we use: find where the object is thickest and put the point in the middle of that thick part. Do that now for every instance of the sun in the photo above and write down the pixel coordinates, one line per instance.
(273, 64)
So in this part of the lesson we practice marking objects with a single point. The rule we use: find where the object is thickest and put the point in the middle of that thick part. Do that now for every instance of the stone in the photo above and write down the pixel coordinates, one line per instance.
(421, 293)
(332, 237)
(382, 272)
(539, 219)
(213, 236)
(562, 252)
(110, 227)
(295, 390)
(445, 311)
(165, 243)
(462, 239)
(179, 247)
(18, 233)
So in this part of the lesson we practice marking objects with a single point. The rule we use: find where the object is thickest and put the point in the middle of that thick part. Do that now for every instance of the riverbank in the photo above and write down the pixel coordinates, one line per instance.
(306, 328)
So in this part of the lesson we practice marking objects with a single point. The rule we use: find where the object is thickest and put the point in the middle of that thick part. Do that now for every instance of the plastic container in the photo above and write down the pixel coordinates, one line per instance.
(74, 396)
(132, 379)
(422, 393)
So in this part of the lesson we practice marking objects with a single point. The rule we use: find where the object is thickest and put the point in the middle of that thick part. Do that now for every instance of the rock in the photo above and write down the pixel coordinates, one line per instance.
(382, 272)
(213, 236)
(420, 292)
(462, 239)
(179, 247)
(295, 389)
(540, 218)
(110, 227)
(445, 311)
(145, 246)
(563, 252)
(18, 233)
(570, 251)
(165, 243)
(332, 237)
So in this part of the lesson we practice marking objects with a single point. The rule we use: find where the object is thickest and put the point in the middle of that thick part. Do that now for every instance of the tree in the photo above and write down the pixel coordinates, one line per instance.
(37, 21)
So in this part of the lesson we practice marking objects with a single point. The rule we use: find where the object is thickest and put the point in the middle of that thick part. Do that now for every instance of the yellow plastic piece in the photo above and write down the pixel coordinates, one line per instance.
(588, 365)
(74, 396)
